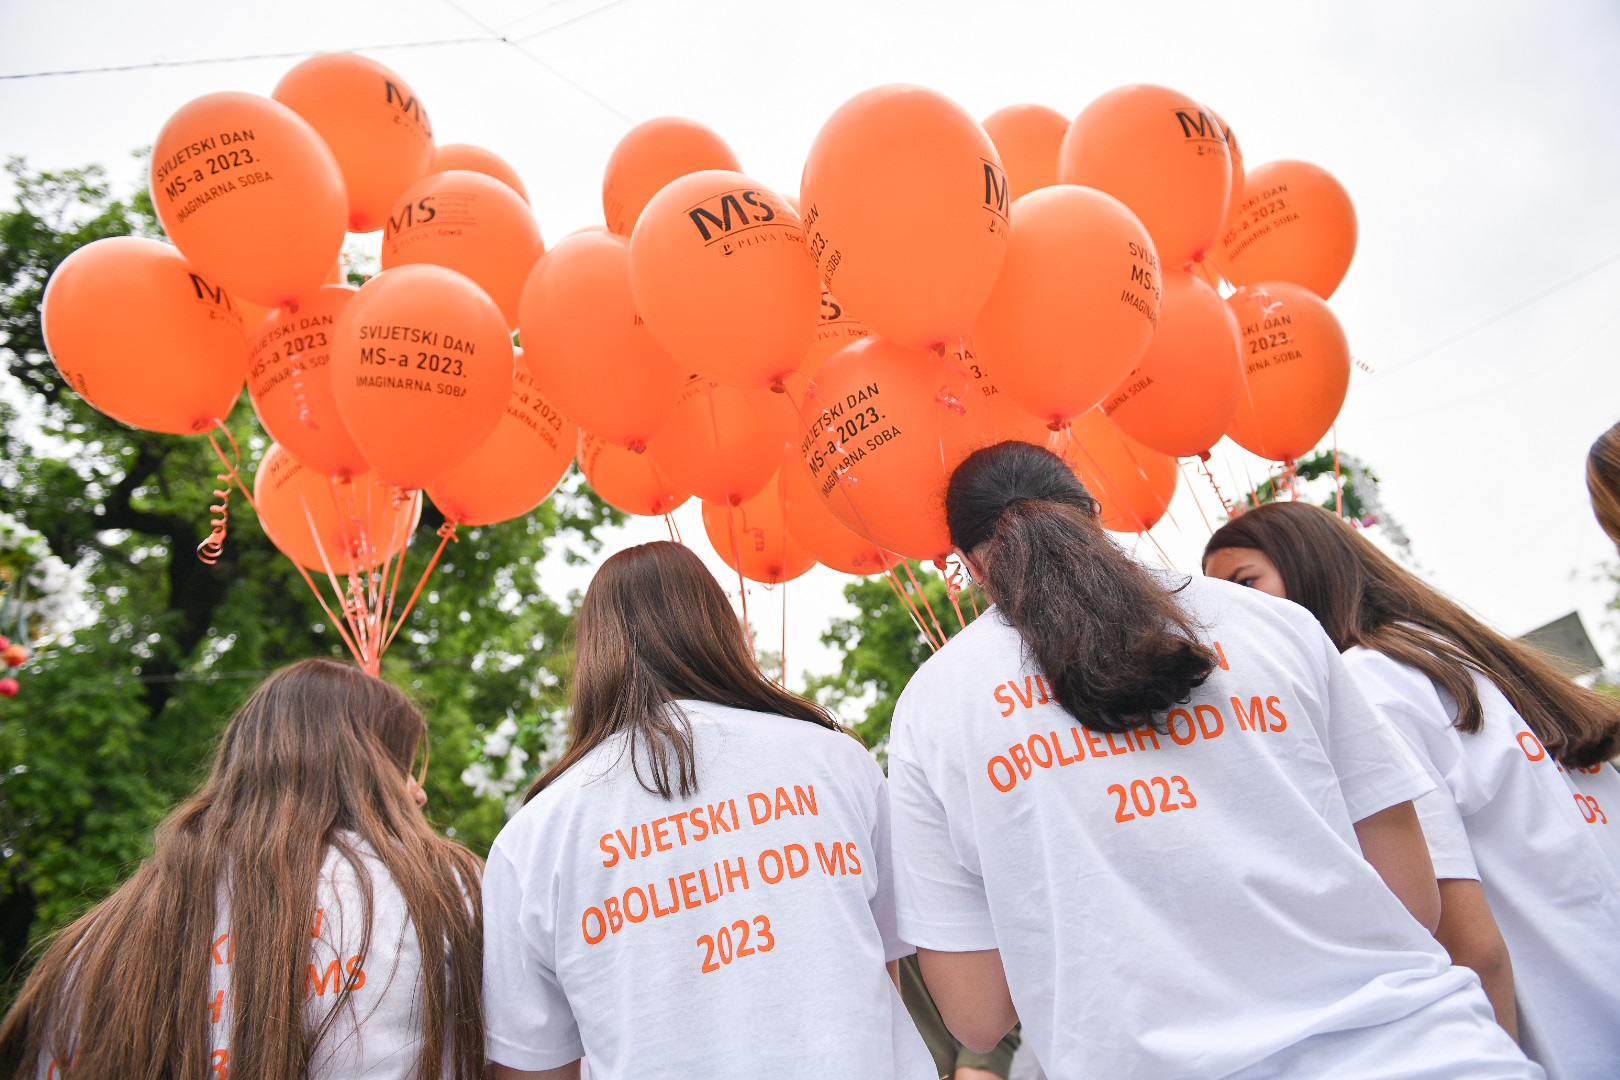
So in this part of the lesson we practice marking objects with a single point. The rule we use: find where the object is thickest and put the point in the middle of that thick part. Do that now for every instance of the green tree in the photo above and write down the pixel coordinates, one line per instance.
(883, 647)
(116, 721)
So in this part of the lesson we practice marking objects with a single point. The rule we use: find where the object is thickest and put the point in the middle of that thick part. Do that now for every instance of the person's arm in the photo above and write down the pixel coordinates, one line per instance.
(1392, 841)
(970, 990)
(1469, 933)
(562, 1072)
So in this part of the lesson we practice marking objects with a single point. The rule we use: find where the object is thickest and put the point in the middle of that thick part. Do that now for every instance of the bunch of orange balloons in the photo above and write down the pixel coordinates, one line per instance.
(812, 364)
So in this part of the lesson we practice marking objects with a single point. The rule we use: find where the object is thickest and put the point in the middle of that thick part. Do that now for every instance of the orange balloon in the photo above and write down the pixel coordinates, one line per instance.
(470, 223)
(250, 195)
(881, 433)
(589, 350)
(1294, 222)
(722, 443)
(372, 121)
(349, 526)
(290, 383)
(1133, 484)
(626, 479)
(649, 156)
(1238, 175)
(1163, 155)
(812, 523)
(143, 337)
(516, 467)
(907, 213)
(1076, 304)
(836, 329)
(1181, 397)
(476, 159)
(422, 369)
(1296, 369)
(1028, 138)
(720, 273)
(753, 539)
(1007, 419)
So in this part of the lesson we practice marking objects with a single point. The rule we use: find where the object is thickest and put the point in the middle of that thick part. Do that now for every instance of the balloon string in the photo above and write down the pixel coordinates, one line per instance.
(669, 522)
(782, 681)
(736, 564)
(233, 464)
(910, 607)
(1182, 465)
(915, 584)
(1338, 484)
(354, 637)
(396, 547)
(447, 533)
(337, 624)
(953, 589)
(209, 551)
(1227, 505)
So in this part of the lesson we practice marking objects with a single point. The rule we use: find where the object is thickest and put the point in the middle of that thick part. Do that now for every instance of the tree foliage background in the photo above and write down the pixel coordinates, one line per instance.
(117, 721)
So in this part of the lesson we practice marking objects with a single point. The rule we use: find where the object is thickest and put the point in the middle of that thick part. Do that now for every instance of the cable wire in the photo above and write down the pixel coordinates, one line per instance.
(1496, 318)
(554, 72)
(241, 59)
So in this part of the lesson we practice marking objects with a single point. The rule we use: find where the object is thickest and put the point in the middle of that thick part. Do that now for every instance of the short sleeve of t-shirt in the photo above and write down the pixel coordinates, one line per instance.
(1408, 700)
(1376, 767)
(942, 904)
(528, 1021)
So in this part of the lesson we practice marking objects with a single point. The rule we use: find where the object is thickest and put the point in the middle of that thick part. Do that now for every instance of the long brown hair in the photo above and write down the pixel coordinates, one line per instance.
(318, 755)
(1363, 597)
(654, 629)
(1110, 639)
(1603, 481)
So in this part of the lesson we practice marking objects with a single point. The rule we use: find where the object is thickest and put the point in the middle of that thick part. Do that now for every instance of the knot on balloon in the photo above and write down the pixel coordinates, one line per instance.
(402, 497)
(447, 531)
(950, 401)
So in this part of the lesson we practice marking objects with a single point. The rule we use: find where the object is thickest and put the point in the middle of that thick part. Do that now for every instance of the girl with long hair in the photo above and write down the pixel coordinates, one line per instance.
(297, 918)
(1152, 818)
(1603, 481)
(1519, 825)
(700, 886)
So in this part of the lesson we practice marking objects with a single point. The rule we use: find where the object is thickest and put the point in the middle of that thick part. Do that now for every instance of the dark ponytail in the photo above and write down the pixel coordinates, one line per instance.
(1110, 640)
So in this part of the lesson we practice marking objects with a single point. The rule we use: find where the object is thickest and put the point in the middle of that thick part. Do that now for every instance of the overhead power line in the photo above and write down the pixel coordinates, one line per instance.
(570, 21)
(1494, 319)
(554, 72)
(252, 56)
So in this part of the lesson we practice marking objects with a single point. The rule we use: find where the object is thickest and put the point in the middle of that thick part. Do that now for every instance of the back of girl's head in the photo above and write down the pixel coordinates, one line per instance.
(656, 628)
(1363, 597)
(1325, 565)
(318, 739)
(1603, 481)
(316, 759)
(1109, 638)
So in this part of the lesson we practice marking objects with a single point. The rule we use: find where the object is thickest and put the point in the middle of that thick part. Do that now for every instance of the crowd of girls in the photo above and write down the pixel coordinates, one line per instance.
(1174, 827)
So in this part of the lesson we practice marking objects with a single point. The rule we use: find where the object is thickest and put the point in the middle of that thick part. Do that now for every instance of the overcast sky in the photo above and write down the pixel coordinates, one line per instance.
(1476, 139)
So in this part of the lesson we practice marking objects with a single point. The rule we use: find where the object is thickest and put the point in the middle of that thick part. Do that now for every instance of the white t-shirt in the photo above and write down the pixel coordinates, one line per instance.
(1544, 843)
(1189, 902)
(378, 1034)
(741, 932)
